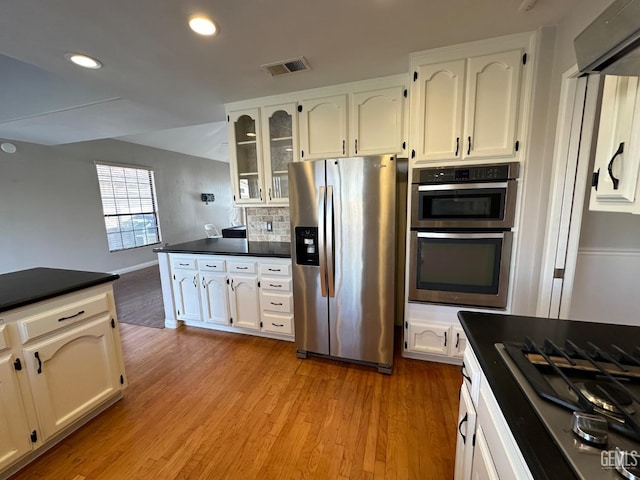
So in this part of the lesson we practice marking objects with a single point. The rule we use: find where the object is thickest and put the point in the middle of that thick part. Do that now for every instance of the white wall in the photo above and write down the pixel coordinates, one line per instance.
(51, 213)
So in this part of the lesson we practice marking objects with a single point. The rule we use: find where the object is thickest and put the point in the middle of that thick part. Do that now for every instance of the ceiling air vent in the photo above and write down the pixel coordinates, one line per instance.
(299, 64)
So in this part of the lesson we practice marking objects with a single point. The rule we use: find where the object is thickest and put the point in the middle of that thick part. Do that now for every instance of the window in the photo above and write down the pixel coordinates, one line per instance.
(129, 206)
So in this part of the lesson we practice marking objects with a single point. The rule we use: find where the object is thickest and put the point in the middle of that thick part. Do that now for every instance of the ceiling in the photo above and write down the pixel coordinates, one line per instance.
(160, 77)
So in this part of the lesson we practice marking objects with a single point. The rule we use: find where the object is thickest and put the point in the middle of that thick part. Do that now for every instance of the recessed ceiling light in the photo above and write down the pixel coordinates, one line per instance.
(83, 60)
(203, 26)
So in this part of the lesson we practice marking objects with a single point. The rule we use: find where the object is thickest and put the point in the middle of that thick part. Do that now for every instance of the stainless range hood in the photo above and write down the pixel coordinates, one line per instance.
(611, 44)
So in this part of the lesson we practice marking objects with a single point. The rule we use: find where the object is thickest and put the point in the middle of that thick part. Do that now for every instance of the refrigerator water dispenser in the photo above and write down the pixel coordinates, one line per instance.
(307, 246)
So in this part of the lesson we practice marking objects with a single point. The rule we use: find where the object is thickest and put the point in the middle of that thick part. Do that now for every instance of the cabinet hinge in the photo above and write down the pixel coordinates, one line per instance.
(113, 323)
(258, 284)
(404, 145)
(413, 154)
(406, 324)
(260, 324)
(174, 276)
(34, 436)
(405, 93)
(415, 76)
(234, 198)
(231, 320)
(121, 379)
(405, 345)
(558, 273)
(178, 312)
(595, 177)
(228, 119)
(17, 364)
(524, 59)
(301, 153)
(517, 145)
(300, 108)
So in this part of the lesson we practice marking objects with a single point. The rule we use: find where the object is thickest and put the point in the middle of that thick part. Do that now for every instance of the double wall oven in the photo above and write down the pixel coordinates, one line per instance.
(461, 234)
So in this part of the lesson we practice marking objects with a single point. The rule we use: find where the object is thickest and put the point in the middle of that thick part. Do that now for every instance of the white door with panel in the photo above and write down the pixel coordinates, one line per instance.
(425, 337)
(14, 429)
(280, 129)
(215, 301)
(464, 441)
(72, 373)
(618, 148)
(244, 301)
(482, 467)
(186, 294)
(245, 149)
(376, 122)
(323, 127)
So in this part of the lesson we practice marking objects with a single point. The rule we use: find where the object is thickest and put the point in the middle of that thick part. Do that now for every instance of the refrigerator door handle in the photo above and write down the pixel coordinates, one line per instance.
(322, 199)
(330, 242)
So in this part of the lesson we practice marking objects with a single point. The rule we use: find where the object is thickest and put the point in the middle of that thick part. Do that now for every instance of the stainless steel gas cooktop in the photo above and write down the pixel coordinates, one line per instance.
(588, 398)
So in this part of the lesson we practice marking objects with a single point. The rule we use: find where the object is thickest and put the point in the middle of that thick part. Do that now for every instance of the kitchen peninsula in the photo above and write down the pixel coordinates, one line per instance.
(229, 284)
(60, 358)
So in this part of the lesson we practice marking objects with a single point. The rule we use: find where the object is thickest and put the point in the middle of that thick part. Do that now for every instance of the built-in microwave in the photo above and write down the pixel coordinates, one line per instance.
(468, 268)
(475, 197)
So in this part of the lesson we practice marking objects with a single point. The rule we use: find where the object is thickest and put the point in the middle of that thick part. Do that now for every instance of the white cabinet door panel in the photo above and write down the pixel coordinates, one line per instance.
(491, 107)
(427, 337)
(14, 429)
(323, 127)
(215, 303)
(72, 373)
(243, 297)
(464, 442)
(482, 467)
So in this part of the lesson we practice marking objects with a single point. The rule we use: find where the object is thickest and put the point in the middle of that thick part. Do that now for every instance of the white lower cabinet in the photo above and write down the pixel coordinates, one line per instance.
(72, 373)
(14, 429)
(485, 446)
(215, 300)
(243, 296)
(434, 338)
(186, 294)
(482, 467)
(465, 435)
(234, 293)
(60, 364)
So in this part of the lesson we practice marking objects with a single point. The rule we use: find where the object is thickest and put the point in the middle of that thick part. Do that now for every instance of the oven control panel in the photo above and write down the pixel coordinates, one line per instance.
(479, 173)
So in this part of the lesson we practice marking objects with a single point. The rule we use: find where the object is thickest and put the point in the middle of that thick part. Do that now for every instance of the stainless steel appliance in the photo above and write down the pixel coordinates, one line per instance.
(461, 239)
(587, 395)
(343, 225)
(611, 43)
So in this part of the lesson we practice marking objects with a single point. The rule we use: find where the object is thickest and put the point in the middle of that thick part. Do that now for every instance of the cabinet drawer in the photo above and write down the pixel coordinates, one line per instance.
(273, 322)
(279, 284)
(4, 337)
(275, 269)
(241, 267)
(213, 265)
(276, 302)
(183, 263)
(51, 320)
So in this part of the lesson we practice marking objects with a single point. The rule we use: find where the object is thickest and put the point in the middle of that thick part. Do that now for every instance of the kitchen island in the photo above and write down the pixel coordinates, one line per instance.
(60, 358)
(523, 431)
(228, 284)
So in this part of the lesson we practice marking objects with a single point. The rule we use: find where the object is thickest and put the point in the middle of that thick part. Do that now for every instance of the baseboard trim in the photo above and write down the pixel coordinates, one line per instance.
(140, 266)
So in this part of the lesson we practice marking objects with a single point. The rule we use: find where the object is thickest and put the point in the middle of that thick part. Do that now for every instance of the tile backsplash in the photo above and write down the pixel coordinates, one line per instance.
(257, 219)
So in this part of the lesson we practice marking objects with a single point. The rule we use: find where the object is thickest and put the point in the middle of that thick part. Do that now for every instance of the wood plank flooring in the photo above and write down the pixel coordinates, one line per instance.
(203, 404)
(138, 297)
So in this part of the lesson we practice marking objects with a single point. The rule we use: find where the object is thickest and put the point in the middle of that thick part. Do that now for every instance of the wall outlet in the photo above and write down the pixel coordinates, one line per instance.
(269, 226)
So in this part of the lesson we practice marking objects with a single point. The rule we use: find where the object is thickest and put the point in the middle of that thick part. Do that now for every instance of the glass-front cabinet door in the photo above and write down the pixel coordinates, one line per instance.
(280, 125)
(246, 155)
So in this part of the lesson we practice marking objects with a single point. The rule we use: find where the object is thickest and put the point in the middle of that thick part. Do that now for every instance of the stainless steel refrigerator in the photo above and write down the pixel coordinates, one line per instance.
(343, 237)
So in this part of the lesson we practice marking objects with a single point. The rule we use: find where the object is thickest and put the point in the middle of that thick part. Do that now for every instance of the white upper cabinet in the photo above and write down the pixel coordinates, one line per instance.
(280, 127)
(245, 140)
(618, 150)
(466, 108)
(323, 127)
(439, 97)
(377, 121)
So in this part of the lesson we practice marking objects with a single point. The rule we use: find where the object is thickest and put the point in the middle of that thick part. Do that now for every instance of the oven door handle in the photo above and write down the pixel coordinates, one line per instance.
(462, 186)
(459, 235)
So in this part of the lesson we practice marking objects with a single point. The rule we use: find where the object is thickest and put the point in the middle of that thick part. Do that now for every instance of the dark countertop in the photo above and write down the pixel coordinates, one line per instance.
(230, 246)
(483, 330)
(30, 286)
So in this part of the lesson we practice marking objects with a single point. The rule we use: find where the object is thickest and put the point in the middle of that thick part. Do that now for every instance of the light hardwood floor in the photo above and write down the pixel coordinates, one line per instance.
(212, 405)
